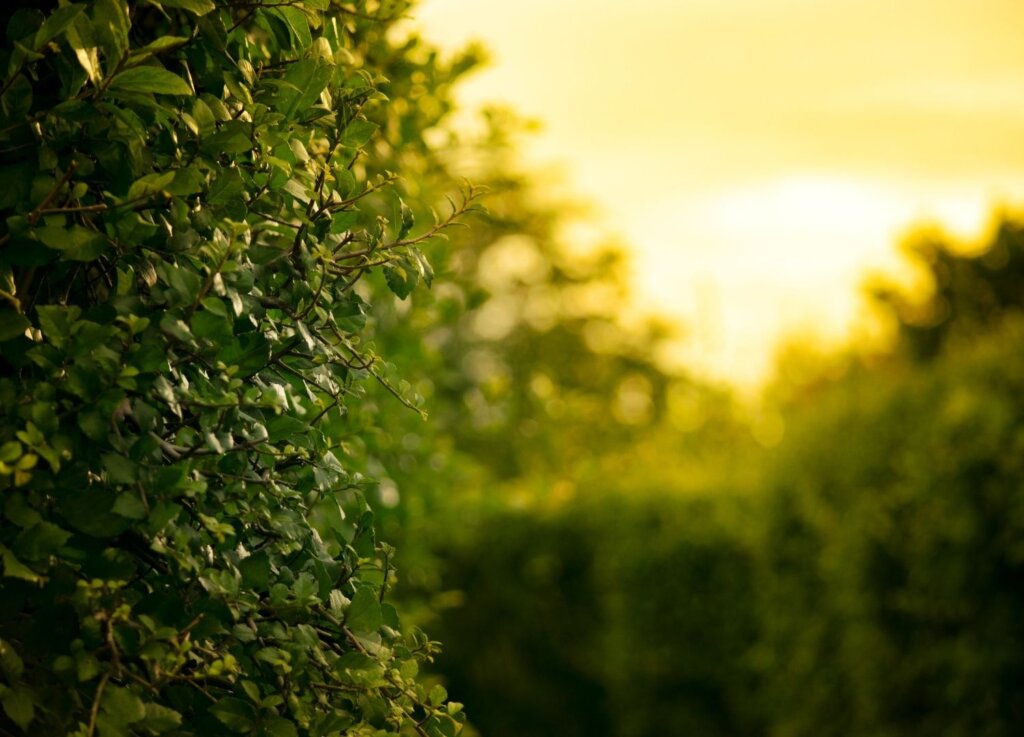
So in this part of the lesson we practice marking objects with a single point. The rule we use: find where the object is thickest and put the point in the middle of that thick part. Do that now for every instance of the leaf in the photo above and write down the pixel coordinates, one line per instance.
(437, 695)
(150, 184)
(255, 571)
(129, 506)
(12, 324)
(279, 727)
(57, 322)
(55, 24)
(343, 221)
(423, 266)
(160, 719)
(304, 81)
(150, 79)
(110, 26)
(407, 220)
(18, 705)
(400, 279)
(187, 180)
(363, 615)
(158, 46)
(199, 7)
(235, 714)
(122, 706)
(358, 133)
(90, 511)
(80, 37)
(297, 25)
(76, 243)
(12, 663)
(216, 328)
(232, 138)
(298, 190)
(14, 568)
(40, 541)
(227, 186)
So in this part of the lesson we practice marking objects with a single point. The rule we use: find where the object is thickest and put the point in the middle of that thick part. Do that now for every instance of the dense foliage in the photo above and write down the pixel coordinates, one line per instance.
(195, 193)
(212, 216)
(867, 580)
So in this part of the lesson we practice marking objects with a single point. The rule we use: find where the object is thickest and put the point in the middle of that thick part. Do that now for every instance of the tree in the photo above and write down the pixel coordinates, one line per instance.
(968, 292)
(195, 195)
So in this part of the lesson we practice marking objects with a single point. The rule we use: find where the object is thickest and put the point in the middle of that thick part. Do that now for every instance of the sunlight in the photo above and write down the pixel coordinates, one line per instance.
(748, 267)
(760, 158)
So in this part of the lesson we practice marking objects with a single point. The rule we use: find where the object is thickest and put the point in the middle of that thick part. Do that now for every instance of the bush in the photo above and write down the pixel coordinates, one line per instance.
(193, 194)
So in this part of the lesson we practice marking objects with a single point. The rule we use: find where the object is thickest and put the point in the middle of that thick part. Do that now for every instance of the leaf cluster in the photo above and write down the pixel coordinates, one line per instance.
(190, 207)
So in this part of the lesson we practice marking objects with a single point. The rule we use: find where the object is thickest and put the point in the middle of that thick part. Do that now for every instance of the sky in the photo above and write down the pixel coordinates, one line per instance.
(760, 157)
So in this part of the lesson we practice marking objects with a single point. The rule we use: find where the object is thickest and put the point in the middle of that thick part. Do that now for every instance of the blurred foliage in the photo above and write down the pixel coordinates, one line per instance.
(968, 290)
(845, 558)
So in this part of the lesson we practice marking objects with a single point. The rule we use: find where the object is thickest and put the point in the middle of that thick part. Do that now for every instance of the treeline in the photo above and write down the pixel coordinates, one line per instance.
(866, 579)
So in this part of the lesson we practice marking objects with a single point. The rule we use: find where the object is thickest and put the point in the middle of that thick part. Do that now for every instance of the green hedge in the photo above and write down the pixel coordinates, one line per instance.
(872, 584)
(193, 192)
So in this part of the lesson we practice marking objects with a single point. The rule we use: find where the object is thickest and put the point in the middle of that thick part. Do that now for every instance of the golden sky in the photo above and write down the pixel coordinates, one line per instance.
(760, 156)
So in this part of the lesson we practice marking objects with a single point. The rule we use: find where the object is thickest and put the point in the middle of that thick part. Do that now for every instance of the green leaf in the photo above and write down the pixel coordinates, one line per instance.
(129, 506)
(407, 220)
(279, 727)
(363, 615)
(302, 85)
(156, 47)
(187, 180)
(90, 510)
(235, 714)
(358, 133)
(228, 185)
(400, 279)
(75, 243)
(297, 24)
(14, 568)
(121, 706)
(119, 469)
(232, 138)
(150, 79)
(343, 221)
(255, 571)
(80, 37)
(437, 695)
(12, 324)
(111, 26)
(199, 7)
(423, 266)
(160, 719)
(57, 322)
(18, 704)
(216, 328)
(40, 541)
(11, 662)
(150, 184)
(55, 24)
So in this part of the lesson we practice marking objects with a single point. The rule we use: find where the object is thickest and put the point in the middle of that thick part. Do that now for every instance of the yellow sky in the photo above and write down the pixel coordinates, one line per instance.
(759, 156)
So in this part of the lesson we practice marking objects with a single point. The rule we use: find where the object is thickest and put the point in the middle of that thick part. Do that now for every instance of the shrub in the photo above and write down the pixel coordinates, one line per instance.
(192, 197)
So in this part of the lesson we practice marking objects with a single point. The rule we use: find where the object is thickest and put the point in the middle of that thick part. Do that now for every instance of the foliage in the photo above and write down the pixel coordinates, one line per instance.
(890, 559)
(968, 291)
(866, 582)
(619, 617)
(195, 198)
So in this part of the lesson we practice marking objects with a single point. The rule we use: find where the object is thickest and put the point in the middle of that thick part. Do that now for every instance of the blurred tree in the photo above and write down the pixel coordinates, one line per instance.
(968, 291)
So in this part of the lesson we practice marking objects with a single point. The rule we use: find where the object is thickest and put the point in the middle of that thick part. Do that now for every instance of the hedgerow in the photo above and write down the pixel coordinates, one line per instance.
(193, 196)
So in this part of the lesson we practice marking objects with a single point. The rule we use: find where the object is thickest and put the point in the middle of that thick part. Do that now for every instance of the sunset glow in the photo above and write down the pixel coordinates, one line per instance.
(760, 157)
